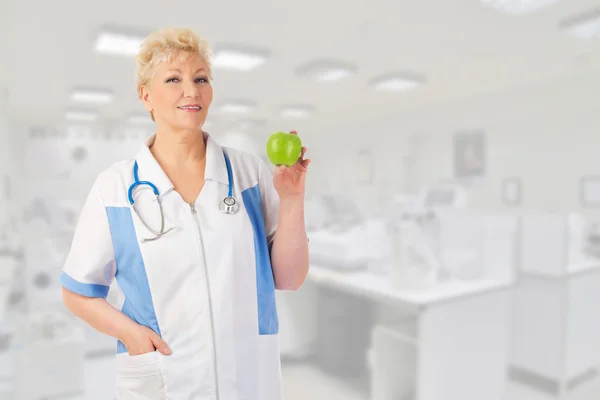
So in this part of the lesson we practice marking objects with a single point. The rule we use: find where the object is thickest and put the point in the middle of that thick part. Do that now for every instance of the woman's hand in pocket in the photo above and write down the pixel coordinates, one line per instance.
(144, 340)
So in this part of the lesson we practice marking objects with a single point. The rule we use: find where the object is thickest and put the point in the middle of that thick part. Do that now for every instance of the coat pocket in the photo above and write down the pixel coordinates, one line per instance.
(139, 377)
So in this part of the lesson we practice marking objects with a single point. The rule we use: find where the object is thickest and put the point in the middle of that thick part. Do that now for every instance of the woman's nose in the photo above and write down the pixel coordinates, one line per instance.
(190, 89)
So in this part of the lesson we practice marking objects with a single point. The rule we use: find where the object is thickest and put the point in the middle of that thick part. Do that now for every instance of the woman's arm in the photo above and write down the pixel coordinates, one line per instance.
(103, 317)
(284, 209)
(289, 254)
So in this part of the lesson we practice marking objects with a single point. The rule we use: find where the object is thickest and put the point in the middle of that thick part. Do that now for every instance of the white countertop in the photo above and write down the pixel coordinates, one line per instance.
(375, 286)
(583, 267)
(571, 270)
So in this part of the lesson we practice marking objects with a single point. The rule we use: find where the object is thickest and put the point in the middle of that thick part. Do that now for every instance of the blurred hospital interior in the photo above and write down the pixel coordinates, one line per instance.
(452, 202)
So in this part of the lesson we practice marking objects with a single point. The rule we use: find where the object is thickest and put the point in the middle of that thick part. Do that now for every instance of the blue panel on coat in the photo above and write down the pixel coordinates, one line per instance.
(131, 272)
(268, 322)
(84, 289)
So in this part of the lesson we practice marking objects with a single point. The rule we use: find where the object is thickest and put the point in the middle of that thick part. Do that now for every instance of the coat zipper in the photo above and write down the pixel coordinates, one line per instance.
(210, 309)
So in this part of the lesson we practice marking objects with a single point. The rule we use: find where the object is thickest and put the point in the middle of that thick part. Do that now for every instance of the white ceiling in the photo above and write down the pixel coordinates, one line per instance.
(463, 48)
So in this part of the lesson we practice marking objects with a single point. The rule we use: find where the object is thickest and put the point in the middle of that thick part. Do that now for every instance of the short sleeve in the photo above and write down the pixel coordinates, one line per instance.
(270, 200)
(90, 265)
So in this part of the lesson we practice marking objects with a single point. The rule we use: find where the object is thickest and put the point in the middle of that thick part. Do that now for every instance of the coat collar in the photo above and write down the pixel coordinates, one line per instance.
(150, 170)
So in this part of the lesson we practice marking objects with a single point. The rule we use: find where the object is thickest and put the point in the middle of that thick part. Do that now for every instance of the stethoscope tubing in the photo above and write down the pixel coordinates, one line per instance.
(227, 206)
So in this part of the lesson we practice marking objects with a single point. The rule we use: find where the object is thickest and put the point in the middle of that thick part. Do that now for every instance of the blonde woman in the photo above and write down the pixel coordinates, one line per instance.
(198, 238)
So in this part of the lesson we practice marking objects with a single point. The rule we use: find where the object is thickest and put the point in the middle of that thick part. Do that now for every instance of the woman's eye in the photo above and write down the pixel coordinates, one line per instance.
(197, 80)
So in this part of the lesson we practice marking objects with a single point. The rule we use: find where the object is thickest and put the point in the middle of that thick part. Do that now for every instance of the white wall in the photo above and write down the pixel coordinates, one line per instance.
(547, 134)
(337, 169)
(48, 160)
(549, 157)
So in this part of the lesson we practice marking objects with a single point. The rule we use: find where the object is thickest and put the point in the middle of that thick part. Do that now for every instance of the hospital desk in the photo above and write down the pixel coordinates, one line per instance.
(446, 342)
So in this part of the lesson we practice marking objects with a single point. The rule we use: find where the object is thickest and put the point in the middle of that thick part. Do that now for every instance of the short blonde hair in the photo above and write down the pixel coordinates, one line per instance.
(163, 46)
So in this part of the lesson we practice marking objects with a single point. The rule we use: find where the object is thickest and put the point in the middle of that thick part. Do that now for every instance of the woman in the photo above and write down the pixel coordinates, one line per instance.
(199, 319)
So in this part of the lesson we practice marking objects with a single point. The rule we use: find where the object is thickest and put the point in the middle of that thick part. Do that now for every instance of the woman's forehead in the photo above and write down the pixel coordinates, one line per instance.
(184, 62)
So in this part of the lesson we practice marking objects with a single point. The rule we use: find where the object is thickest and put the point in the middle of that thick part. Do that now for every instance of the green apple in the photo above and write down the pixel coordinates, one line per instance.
(284, 148)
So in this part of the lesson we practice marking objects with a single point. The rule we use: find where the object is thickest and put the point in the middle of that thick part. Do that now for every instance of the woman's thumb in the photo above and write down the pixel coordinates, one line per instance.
(160, 344)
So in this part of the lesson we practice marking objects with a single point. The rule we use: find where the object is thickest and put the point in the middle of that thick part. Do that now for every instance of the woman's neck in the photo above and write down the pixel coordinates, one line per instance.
(179, 150)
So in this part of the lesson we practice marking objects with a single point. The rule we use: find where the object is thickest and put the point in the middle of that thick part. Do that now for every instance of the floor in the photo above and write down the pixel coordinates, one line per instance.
(99, 383)
(306, 381)
(301, 381)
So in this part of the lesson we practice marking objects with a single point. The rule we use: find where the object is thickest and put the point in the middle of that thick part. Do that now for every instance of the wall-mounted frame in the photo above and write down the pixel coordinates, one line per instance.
(512, 189)
(589, 191)
(469, 155)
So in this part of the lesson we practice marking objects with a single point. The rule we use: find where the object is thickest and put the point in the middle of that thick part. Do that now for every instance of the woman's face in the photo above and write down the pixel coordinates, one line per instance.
(180, 93)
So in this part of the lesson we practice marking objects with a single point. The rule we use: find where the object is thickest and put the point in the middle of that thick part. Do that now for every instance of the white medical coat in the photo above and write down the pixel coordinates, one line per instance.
(206, 287)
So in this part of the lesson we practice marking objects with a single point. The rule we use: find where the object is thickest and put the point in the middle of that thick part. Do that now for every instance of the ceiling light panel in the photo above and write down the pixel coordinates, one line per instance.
(326, 71)
(81, 115)
(236, 107)
(116, 43)
(297, 111)
(518, 7)
(246, 124)
(140, 119)
(92, 96)
(397, 82)
(234, 57)
(585, 26)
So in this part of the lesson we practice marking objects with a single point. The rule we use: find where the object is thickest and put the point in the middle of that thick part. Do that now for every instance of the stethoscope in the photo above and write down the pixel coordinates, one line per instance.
(227, 206)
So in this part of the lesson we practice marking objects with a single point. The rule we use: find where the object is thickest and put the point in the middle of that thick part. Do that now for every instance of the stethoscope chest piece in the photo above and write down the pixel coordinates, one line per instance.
(228, 205)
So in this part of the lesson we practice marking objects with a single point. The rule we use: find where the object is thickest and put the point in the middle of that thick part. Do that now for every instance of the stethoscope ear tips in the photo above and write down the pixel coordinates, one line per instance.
(228, 205)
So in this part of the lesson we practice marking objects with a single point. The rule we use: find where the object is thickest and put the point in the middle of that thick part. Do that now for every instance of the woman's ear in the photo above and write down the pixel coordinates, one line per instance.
(145, 97)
